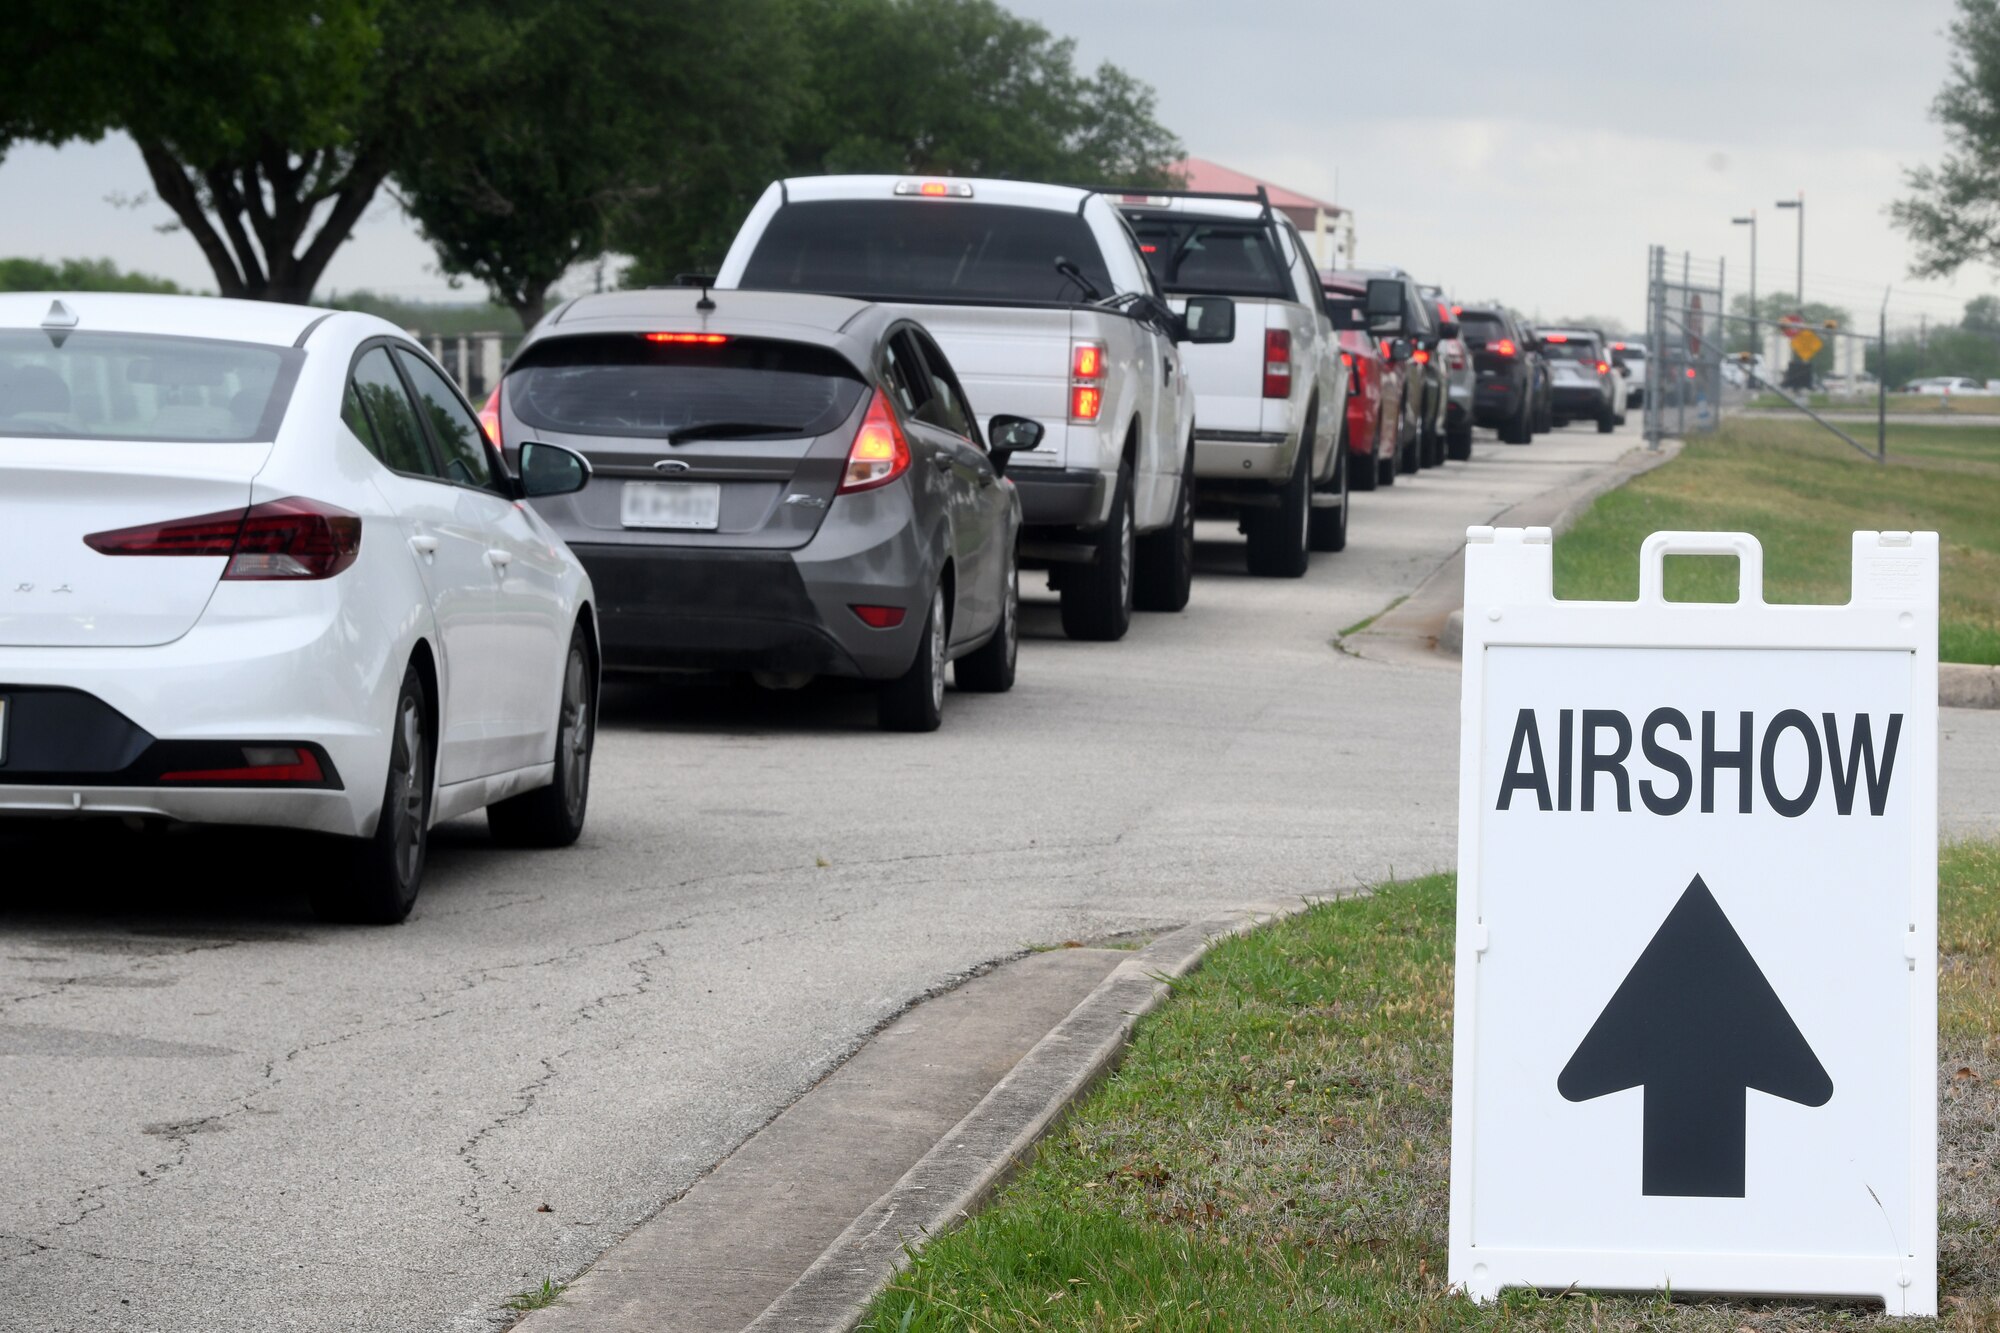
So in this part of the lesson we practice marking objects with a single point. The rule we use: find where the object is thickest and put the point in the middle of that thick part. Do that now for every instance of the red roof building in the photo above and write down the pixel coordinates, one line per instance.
(1326, 226)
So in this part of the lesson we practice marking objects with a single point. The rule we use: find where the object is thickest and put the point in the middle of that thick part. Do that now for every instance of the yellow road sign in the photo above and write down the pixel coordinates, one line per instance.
(1806, 344)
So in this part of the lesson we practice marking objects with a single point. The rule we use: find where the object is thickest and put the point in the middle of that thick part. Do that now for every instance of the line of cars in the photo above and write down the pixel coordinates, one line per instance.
(267, 565)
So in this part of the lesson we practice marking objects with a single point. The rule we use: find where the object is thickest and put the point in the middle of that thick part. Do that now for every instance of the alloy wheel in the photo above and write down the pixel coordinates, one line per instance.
(937, 649)
(574, 740)
(409, 785)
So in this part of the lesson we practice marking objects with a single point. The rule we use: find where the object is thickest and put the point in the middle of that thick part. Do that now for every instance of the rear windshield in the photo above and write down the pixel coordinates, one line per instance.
(1194, 257)
(141, 386)
(623, 384)
(1572, 348)
(1347, 312)
(1478, 330)
(926, 250)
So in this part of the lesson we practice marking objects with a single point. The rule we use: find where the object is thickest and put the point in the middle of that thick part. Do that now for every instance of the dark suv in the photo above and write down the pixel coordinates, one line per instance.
(1504, 396)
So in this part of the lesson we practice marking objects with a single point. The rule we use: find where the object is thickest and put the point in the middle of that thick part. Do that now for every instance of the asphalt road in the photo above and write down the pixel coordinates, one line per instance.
(221, 1115)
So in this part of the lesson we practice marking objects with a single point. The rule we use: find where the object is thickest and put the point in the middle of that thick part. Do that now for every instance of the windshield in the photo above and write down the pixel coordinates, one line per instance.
(138, 386)
(623, 384)
(1194, 257)
(1478, 330)
(1573, 349)
(926, 250)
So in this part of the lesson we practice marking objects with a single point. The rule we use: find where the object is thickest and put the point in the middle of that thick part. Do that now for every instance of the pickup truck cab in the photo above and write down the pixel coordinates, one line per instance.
(1271, 404)
(1038, 296)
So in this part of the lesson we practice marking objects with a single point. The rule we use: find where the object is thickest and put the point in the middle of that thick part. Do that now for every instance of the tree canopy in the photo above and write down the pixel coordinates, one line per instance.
(77, 275)
(1953, 210)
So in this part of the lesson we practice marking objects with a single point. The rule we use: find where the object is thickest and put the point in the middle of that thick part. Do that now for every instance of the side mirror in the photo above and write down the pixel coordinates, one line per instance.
(1009, 435)
(1384, 303)
(550, 469)
(1209, 319)
(1448, 329)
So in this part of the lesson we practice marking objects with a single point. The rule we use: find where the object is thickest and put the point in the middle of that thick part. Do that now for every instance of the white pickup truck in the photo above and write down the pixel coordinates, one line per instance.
(1273, 403)
(1041, 301)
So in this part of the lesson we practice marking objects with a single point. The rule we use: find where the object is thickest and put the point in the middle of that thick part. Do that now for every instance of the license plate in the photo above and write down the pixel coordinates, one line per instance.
(688, 505)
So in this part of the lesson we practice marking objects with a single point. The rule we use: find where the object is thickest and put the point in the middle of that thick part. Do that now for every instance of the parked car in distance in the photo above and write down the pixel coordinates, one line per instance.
(1269, 404)
(1460, 379)
(1379, 433)
(268, 571)
(1416, 322)
(1631, 354)
(789, 485)
(1504, 393)
(1040, 299)
(1585, 385)
(1946, 386)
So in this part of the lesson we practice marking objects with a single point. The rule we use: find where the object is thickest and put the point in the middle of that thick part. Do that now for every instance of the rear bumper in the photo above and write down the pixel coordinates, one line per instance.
(1579, 402)
(690, 608)
(1243, 455)
(1062, 497)
(1495, 402)
(97, 727)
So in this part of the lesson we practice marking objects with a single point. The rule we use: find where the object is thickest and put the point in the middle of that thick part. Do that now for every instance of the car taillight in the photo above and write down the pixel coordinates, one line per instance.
(261, 763)
(688, 339)
(1421, 357)
(1504, 347)
(489, 417)
(878, 617)
(1277, 363)
(1086, 382)
(880, 452)
(1455, 361)
(281, 539)
(1602, 367)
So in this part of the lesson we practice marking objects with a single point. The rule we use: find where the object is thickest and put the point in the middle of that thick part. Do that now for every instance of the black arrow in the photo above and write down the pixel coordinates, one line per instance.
(1695, 1023)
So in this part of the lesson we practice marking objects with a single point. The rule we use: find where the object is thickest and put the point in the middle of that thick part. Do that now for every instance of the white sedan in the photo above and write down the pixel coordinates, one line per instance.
(260, 565)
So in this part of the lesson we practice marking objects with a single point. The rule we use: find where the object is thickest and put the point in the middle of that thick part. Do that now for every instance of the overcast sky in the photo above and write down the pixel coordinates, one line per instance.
(1524, 152)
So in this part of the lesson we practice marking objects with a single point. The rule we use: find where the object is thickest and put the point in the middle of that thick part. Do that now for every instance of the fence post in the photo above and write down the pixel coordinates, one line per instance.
(1882, 383)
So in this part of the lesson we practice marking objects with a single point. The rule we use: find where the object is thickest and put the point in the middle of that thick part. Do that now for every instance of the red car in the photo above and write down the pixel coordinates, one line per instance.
(1380, 434)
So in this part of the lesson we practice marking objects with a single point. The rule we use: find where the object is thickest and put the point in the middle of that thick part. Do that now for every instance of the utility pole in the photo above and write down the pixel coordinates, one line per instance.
(1756, 340)
(1800, 204)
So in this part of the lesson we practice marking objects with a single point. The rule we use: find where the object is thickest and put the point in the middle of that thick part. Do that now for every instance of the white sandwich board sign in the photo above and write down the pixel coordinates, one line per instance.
(1696, 1009)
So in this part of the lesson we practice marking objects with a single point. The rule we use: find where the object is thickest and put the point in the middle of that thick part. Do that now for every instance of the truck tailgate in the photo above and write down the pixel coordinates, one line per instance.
(1009, 359)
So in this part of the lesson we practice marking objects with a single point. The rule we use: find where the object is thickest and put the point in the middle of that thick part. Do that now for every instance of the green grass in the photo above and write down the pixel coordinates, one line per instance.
(536, 1298)
(1802, 492)
(1272, 1155)
(1968, 404)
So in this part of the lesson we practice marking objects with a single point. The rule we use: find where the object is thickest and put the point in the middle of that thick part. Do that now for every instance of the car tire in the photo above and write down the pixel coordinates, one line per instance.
(1458, 443)
(1278, 537)
(1164, 577)
(1407, 453)
(1519, 429)
(989, 668)
(1386, 471)
(1097, 597)
(1606, 423)
(914, 701)
(1365, 474)
(376, 881)
(553, 816)
(1326, 529)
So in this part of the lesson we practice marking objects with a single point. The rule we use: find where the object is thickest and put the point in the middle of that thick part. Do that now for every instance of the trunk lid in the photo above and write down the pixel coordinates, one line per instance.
(57, 592)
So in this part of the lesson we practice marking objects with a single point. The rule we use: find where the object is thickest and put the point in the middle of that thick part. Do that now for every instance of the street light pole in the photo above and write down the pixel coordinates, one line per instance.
(1800, 204)
(1756, 333)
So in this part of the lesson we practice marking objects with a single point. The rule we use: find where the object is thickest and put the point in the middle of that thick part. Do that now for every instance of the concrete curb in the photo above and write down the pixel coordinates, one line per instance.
(1962, 685)
(953, 1178)
(1426, 628)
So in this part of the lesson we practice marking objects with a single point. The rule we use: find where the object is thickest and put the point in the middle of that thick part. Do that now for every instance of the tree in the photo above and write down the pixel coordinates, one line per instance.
(1953, 211)
(76, 275)
(1982, 315)
(926, 87)
(662, 115)
(266, 125)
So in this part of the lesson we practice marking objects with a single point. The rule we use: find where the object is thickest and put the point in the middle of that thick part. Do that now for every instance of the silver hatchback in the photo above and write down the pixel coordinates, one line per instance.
(788, 485)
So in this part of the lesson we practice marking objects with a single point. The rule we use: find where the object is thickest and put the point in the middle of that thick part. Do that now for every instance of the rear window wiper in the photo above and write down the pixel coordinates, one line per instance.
(733, 430)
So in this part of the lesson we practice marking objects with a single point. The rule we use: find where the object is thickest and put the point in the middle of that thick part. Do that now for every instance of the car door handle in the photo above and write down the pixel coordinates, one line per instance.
(423, 545)
(498, 558)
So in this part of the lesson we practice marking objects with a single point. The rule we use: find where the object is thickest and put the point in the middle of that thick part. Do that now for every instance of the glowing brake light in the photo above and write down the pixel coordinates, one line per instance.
(1347, 358)
(880, 452)
(1421, 357)
(280, 539)
(698, 339)
(1085, 402)
(1555, 337)
(1086, 387)
(1602, 367)
(1277, 363)
(1087, 361)
(1504, 347)
(1690, 372)
(934, 189)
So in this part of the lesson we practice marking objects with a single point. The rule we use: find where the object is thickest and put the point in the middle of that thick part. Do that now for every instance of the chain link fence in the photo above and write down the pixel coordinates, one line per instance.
(1686, 345)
